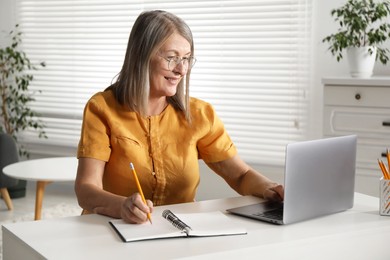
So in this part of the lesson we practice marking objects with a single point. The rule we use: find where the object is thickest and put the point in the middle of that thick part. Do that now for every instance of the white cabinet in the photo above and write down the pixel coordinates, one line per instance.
(362, 107)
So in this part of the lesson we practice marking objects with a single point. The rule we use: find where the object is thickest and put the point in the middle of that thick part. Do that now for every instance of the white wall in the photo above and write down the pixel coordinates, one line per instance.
(323, 65)
(7, 18)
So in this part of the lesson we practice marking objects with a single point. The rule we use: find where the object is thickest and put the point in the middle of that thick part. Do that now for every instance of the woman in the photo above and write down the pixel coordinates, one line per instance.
(147, 118)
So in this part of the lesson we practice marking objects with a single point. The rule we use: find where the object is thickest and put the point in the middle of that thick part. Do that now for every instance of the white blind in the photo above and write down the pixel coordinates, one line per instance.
(253, 64)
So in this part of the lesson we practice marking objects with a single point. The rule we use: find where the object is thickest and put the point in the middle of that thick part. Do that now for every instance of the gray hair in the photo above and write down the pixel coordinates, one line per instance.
(149, 33)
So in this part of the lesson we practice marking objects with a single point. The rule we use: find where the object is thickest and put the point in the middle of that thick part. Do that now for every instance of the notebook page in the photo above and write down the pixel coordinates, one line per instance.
(210, 224)
(160, 228)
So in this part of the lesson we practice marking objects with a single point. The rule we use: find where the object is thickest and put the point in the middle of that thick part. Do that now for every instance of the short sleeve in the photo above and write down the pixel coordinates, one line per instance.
(216, 145)
(95, 133)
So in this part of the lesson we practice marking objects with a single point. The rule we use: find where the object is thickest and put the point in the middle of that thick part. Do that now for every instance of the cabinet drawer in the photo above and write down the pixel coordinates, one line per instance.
(370, 154)
(357, 96)
(367, 158)
(366, 122)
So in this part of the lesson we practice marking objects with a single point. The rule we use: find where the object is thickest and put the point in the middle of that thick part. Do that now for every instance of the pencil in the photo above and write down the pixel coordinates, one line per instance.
(388, 159)
(140, 189)
(387, 177)
(384, 170)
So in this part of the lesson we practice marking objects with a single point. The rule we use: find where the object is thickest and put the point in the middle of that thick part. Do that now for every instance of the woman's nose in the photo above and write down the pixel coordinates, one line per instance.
(181, 68)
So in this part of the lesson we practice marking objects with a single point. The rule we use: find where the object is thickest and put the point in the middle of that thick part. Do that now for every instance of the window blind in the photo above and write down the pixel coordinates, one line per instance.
(253, 64)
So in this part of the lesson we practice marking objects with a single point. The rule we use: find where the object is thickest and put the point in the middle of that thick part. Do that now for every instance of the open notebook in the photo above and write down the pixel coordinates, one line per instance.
(170, 225)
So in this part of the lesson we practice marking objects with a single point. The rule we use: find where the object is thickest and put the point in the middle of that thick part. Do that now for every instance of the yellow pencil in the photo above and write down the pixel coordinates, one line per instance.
(384, 170)
(388, 159)
(140, 189)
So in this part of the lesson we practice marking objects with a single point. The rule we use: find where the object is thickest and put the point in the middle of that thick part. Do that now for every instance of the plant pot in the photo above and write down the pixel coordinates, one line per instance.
(361, 62)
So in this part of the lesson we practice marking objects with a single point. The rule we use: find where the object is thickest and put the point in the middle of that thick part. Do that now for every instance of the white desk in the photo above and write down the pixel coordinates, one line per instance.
(359, 233)
(44, 171)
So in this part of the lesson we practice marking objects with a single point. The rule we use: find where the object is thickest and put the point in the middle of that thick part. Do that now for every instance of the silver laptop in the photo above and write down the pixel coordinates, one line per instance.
(319, 180)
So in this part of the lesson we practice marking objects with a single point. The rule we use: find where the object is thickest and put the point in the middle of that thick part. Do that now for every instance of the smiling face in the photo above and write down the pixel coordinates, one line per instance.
(164, 81)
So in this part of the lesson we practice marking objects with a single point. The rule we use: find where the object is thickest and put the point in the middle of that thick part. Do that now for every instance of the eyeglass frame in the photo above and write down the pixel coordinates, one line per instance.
(170, 59)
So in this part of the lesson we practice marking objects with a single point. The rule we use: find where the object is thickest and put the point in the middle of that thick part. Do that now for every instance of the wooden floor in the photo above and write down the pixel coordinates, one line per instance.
(55, 193)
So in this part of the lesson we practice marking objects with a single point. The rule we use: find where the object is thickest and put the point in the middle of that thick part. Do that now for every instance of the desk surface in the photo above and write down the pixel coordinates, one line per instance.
(359, 233)
(46, 169)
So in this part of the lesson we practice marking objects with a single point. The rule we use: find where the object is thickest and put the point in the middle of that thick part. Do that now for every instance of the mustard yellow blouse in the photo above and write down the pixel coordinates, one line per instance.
(164, 149)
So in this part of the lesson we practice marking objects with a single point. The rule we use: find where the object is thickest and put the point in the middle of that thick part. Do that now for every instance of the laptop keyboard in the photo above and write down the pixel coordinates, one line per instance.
(272, 214)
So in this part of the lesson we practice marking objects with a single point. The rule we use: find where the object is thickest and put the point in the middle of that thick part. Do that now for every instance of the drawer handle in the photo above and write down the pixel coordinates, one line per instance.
(386, 123)
(357, 96)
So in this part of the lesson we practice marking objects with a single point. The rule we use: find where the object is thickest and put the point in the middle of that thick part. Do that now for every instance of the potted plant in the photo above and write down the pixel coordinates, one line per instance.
(363, 29)
(15, 97)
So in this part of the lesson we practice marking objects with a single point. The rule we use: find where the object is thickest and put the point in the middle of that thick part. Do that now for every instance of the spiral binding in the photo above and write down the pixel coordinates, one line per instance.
(176, 222)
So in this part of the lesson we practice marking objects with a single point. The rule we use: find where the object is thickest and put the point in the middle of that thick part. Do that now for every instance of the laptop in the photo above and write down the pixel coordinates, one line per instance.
(319, 180)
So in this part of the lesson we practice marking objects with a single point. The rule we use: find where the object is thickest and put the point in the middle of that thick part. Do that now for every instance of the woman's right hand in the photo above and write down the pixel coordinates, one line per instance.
(134, 210)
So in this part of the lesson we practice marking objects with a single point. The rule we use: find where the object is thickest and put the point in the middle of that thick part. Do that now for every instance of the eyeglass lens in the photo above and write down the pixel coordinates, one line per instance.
(187, 62)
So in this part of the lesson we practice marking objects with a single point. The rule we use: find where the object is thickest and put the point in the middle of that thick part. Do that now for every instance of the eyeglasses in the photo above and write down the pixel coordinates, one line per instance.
(173, 61)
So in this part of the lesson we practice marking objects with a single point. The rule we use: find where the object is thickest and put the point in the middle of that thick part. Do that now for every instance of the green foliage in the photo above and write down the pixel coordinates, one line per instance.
(15, 114)
(362, 24)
